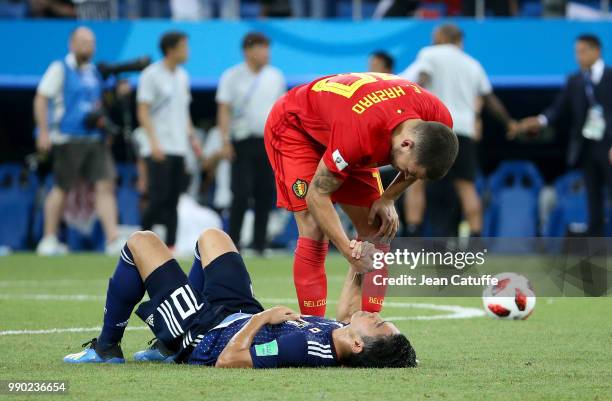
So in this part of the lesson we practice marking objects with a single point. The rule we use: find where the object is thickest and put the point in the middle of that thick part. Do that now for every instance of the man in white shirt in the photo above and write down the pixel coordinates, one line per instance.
(69, 93)
(245, 96)
(459, 81)
(163, 112)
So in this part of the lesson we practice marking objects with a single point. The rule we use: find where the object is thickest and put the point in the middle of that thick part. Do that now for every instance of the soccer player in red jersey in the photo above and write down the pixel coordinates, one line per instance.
(325, 141)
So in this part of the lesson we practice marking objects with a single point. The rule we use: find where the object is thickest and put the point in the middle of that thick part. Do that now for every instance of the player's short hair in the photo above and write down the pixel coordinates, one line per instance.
(254, 38)
(171, 40)
(436, 148)
(452, 32)
(394, 351)
(385, 57)
(590, 39)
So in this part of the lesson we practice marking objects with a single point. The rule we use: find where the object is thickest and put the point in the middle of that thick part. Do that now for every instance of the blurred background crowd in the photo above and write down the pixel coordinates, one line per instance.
(92, 150)
(235, 9)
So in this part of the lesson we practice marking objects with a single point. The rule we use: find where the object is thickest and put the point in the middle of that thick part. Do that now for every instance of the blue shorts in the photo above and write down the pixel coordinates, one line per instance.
(179, 314)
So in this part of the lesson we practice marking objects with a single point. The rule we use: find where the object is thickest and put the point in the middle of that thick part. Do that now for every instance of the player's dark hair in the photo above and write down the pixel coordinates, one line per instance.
(436, 148)
(385, 57)
(254, 38)
(590, 39)
(392, 351)
(170, 40)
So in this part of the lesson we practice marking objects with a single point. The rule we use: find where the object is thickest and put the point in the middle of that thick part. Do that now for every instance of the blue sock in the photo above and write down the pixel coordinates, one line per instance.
(196, 274)
(125, 290)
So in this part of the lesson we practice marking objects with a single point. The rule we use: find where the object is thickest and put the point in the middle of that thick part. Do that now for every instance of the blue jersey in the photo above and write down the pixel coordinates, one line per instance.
(305, 343)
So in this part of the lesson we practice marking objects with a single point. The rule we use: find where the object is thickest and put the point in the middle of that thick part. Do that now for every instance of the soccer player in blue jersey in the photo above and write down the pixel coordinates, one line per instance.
(212, 317)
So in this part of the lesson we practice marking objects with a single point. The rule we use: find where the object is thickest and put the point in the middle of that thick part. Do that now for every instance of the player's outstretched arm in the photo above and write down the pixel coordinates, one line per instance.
(236, 353)
(320, 205)
(350, 297)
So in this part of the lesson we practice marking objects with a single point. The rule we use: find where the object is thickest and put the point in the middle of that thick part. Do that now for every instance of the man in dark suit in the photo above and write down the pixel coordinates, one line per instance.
(586, 100)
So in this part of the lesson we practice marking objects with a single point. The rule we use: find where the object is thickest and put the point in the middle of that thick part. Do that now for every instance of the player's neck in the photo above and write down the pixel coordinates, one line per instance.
(342, 343)
(170, 64)
(253, 66)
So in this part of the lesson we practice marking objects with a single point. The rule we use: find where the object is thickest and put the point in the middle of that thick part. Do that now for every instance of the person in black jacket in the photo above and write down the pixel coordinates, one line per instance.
(586, 100)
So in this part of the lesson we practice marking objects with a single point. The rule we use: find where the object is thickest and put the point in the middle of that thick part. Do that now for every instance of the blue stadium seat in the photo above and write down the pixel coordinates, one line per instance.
(250, 10)
(571, 210)
(39, 216)
(344, 9)
(13, 9)
(513, 209)
(94, 241)
(17, 195)
(76, 241)
(128, 198)
(531, 9)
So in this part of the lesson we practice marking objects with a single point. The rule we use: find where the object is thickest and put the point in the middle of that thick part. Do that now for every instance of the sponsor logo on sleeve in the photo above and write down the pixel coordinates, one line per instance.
(341, 164)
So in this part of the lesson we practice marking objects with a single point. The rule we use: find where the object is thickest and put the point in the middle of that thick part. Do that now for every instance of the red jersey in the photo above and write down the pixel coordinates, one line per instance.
(353, 116)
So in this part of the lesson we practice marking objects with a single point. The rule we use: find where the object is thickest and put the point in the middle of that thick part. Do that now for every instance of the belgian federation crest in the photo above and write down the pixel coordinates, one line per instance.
(300, 187)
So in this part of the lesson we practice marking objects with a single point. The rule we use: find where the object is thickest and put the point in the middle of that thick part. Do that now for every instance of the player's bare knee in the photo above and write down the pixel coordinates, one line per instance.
(140, 239)
(213, 243)
(308, 226)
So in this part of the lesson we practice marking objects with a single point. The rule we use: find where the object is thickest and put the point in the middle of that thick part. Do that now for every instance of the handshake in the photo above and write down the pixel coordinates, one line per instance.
(528, 125)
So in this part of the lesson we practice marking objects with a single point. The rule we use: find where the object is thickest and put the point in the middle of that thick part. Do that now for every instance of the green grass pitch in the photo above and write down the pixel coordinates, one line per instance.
(563, 352)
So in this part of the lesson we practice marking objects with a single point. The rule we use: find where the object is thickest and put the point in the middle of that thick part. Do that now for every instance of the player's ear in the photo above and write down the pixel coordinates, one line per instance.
(408, 143)
(357, 345)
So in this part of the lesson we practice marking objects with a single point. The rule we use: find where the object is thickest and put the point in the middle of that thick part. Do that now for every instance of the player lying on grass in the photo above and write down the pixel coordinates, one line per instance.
(212, 317)
(325, 141)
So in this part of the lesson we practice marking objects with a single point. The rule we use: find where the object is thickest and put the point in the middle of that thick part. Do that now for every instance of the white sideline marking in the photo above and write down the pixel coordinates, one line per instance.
(66, 330)
(51, 297)
(454, 311)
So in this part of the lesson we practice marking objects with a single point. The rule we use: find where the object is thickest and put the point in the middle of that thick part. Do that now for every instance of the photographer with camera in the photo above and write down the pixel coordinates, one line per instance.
(67, 110)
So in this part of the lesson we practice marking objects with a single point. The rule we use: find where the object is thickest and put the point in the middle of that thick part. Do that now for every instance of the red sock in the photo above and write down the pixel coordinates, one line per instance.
(372, 295)
(309, 276)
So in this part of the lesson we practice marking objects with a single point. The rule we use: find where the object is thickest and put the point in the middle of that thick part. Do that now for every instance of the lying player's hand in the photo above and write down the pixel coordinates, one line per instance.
(362, 256)
(384, 209)
(280, 314)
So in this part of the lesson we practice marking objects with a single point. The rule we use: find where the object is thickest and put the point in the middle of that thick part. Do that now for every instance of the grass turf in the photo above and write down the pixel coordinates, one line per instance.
(563, 352)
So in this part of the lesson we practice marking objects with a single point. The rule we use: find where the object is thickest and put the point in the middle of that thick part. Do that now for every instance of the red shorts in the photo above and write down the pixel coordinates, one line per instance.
(294, 157)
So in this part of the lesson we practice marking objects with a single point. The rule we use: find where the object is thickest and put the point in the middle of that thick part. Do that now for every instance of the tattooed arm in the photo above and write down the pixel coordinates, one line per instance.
(320, 205)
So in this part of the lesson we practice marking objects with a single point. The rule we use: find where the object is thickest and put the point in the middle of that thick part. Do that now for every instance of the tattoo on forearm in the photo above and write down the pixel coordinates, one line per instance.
(324, 182)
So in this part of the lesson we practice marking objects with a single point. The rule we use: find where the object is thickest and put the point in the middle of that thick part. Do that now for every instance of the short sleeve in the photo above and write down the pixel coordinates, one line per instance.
(224, 90)
(484, 85)
(188, 87)
(424, 62)
(52, 81)
(146, 87)
(411, 73)
(437, 111)
(286, 351)
(343, 151)
(282, 84)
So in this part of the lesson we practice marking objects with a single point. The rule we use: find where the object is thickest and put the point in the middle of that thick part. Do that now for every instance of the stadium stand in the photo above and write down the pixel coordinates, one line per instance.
(17, 195)
(513, 210)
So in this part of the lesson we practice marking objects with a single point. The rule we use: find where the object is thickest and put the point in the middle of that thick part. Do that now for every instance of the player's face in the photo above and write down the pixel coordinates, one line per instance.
(259, 54)
(181, 51)
(366, 324)
(83, 45)
(375, 64)
(586, 55)
(404, 160)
